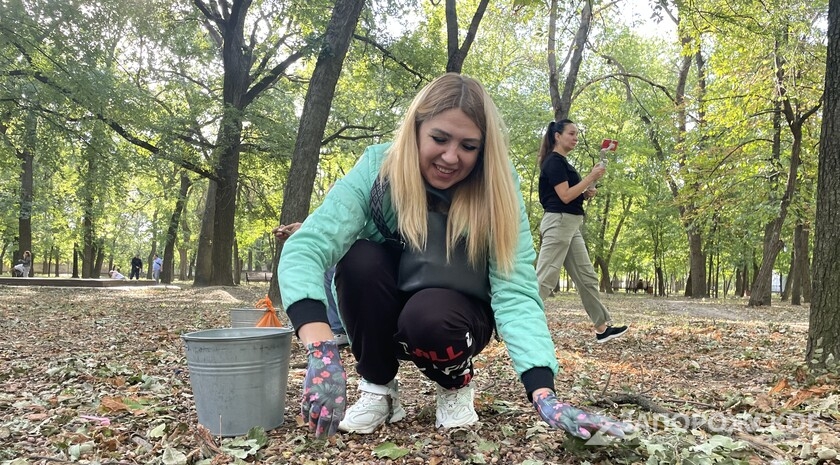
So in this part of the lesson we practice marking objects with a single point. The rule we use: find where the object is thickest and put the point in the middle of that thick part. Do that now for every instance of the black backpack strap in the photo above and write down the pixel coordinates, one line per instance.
(377, 196)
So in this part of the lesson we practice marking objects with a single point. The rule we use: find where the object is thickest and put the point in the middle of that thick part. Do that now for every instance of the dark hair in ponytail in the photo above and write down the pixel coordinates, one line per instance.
(554, 127)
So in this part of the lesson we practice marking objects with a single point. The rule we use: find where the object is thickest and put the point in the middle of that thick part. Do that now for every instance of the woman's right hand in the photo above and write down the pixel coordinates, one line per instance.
(324, 389)
(598, 171)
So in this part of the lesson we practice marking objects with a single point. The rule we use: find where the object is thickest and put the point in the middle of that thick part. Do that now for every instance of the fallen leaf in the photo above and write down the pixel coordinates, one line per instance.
(780, 386)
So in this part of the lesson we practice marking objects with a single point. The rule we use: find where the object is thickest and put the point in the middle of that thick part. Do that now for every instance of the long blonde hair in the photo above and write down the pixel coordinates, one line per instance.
(485, 207)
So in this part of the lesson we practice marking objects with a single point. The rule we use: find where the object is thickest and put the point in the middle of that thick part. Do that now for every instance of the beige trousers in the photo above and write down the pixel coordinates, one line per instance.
(563, 245)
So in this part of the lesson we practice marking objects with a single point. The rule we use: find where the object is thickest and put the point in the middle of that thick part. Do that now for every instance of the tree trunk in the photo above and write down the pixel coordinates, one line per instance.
(237, 264)
(172, 231)
(153, 249)
(227, 172)
(795, 119)
(791, 271)
(698, 266)
(763, 282)
(184, 248)
(660, 278)
(604, 268)
(688, 283)
(45, 270)
(456, 52)
(75, 260)
(99, 248)
(203, 265)
(824, 322)
(313, 121)
(806, 264)
(800, 256)
(88, 247)
(562, 101)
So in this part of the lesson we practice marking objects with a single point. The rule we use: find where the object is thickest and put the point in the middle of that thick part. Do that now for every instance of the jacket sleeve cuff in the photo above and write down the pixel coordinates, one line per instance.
(307, 311)
(536, 378)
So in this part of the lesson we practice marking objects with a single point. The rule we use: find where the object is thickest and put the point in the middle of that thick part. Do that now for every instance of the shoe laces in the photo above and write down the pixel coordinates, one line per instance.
(369, 399)
(454, 398)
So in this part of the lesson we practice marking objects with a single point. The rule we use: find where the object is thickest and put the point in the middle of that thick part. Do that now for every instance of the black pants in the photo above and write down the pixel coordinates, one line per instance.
(439, 330)
(135, 273)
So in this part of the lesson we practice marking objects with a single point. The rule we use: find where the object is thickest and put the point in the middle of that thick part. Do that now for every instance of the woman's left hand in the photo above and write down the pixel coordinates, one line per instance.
(574, 420)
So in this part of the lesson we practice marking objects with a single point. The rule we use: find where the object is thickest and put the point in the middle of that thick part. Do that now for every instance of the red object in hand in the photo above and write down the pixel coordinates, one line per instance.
(609, 144)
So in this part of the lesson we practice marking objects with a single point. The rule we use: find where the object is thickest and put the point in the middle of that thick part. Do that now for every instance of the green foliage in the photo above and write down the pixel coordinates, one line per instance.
(152, 69)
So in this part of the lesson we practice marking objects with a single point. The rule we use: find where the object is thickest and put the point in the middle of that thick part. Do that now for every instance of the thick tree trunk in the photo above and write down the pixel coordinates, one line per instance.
(230, 136)
(313, 121)
(824, 323)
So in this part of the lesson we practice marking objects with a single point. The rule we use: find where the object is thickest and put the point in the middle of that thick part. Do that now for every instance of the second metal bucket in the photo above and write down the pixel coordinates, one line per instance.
(245, 317)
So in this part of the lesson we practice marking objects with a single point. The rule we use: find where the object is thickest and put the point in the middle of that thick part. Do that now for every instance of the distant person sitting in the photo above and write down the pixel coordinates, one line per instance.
(24, 265)
(136, 267)
(115, 274)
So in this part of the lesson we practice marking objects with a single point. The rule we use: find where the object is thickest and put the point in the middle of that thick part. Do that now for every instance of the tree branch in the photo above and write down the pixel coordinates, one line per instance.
(278, 71)
(387, 54)
(338, 134)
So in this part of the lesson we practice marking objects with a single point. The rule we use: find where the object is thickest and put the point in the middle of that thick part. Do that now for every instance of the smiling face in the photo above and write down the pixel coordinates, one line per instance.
(567, 140)
(449, 144)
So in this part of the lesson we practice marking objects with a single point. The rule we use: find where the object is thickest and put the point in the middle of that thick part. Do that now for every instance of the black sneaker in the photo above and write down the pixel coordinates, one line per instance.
(610, 333)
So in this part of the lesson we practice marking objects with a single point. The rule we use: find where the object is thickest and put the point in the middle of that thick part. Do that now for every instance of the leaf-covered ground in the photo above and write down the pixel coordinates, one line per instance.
(99, 376)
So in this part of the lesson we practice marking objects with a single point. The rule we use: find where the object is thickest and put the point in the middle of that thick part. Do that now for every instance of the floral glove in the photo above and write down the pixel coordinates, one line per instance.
(324, 389)
(576, 421)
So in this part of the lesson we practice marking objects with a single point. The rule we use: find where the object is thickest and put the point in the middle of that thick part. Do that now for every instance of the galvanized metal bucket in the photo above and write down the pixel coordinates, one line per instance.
(239, 377)
(245, 317)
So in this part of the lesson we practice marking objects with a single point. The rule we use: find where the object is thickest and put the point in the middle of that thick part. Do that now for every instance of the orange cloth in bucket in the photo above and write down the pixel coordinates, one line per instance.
(270, 316)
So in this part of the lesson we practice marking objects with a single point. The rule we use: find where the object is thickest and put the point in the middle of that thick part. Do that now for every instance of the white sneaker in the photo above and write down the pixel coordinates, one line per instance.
(455, 407)
(376, 405)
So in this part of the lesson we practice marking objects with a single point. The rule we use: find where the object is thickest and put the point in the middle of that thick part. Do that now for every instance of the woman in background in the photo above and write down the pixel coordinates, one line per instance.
(562, 192)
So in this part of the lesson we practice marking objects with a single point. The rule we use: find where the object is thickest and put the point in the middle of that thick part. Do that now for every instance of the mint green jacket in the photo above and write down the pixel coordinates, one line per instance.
(345, 217)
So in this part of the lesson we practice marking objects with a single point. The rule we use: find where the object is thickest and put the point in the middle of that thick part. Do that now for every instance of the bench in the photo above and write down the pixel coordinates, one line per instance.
(259, 276)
